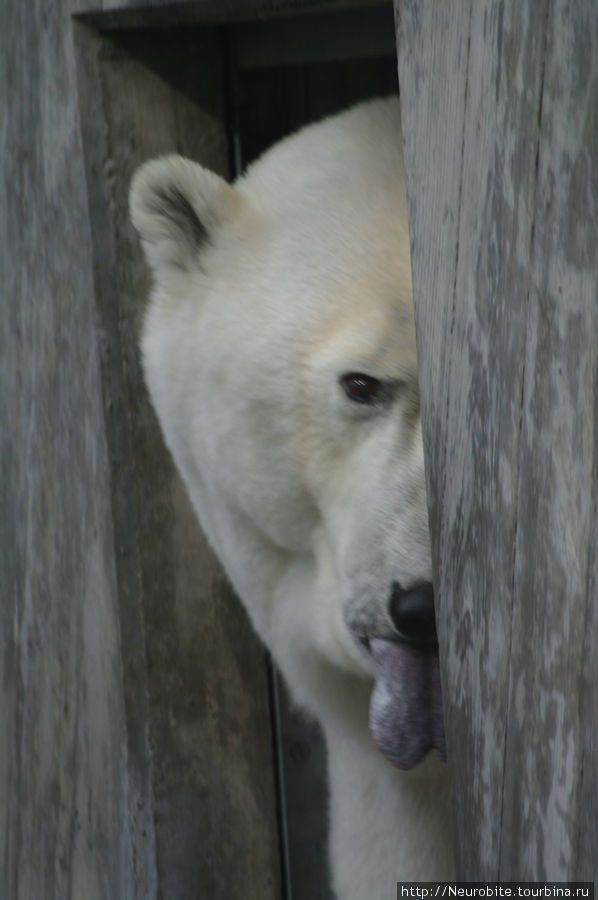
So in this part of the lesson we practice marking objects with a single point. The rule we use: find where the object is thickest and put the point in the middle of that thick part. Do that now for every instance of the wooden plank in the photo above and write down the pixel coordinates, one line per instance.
(65, 831)
(550, 752)
(500, 133)
(208, 715)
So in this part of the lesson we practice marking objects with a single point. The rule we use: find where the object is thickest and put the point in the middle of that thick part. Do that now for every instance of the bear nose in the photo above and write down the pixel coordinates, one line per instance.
(412, 614)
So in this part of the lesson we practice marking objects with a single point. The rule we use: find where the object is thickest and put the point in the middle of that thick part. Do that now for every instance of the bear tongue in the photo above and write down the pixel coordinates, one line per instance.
(406, 706)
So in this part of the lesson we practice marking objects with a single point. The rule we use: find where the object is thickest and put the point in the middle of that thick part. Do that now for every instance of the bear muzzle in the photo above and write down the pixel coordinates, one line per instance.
(412, 614)
(406, 717)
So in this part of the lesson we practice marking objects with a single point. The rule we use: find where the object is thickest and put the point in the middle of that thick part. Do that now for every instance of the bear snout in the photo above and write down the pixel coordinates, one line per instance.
(412, 613)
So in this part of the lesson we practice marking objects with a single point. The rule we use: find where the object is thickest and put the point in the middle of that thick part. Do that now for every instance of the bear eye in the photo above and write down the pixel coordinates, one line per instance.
(362, 388)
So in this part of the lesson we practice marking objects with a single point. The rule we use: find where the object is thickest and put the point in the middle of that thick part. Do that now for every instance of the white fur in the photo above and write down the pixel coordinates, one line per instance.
(315, 504)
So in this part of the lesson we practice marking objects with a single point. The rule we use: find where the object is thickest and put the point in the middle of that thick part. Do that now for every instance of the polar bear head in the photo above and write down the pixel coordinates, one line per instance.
(279, 351)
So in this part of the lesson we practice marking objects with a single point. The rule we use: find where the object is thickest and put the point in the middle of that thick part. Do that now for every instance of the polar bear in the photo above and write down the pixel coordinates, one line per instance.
(279, 353)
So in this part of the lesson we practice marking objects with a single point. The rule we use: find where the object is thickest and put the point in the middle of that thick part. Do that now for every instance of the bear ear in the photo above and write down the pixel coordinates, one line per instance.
(175, 206)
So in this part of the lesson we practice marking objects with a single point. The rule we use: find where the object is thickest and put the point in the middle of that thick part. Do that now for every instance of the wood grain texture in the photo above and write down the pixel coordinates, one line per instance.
(64, 785)
(501, 141)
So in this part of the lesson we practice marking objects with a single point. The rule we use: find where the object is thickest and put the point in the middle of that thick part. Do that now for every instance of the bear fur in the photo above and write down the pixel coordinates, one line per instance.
(272, 298)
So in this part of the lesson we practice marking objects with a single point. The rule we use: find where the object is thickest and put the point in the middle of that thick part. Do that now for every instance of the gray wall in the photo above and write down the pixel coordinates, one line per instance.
(500, 120)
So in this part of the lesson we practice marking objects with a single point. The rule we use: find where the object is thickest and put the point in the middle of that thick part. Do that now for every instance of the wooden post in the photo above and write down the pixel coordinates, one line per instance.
(500, 121)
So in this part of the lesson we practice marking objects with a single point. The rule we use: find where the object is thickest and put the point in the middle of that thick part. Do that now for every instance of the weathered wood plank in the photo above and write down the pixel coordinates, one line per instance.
(64, 787)
(550, 752)
(500, 130)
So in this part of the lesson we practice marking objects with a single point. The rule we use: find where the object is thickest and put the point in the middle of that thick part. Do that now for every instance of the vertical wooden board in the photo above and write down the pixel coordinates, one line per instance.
(207, 708)
(508, 374)
(584, 861)
(555, 599)
(64, 828)
(479, 501)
